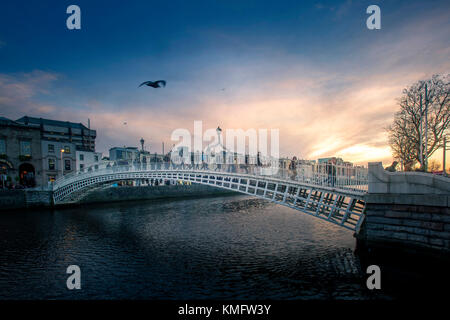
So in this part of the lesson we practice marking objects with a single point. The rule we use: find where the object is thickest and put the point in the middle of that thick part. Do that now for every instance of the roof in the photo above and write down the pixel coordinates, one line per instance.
(9, 122)
(4, 120)
(124, 148)
(57, 123)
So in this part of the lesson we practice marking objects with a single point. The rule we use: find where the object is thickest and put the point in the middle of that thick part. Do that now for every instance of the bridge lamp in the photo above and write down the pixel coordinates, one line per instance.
(62, 165)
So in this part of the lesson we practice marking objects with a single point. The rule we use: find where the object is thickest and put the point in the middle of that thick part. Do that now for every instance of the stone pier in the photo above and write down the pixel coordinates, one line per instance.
(406, 211)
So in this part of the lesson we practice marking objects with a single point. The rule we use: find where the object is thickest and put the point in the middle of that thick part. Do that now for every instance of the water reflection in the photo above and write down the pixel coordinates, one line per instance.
(222, 248)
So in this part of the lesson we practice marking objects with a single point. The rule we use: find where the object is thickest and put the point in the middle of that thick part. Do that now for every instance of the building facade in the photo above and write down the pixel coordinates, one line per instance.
(123, 155)
(130, 155)
(63, 131)
(20, 155)
(60, 141)
(87, 159)
(58, 158)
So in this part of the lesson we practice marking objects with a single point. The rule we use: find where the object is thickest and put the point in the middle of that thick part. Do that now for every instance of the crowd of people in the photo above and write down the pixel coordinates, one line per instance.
(26, 180)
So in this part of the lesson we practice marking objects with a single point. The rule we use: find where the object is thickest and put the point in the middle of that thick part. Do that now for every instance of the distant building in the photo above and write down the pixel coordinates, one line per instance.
(155, 157)
(87, 159)
(60, 142)
(58, 158)
(284, 163)
(147, 157)
(63, 131)
(305, 168)
(336, 160)
(180, 155)
(20, 154)
(130, 155)
(123, 155)
(343, 168)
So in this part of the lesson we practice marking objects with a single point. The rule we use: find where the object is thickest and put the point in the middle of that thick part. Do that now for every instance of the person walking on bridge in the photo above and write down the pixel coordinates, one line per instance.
(331, 166)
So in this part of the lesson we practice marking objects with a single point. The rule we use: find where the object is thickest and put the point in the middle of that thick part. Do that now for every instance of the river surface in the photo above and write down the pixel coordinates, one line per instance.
(232, 247)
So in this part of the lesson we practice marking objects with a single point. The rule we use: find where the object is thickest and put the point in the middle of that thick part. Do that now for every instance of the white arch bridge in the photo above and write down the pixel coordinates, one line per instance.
(336, 197)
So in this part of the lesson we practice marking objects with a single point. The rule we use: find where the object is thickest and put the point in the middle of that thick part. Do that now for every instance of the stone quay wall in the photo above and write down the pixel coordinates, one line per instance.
(22, 199)
(408, 211)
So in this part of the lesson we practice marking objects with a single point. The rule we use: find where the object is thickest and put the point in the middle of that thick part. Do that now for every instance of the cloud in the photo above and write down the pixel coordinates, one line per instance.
(310, 124)
(19, 92)
(319, 114)
(337, 107)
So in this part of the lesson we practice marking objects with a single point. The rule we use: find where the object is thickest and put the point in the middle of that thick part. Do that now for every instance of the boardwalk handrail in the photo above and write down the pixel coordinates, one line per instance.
(342, 177)
(343, 207)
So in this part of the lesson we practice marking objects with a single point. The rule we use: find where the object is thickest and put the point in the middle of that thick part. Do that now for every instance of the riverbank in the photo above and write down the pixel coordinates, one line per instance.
(28, 199)
(24, 199)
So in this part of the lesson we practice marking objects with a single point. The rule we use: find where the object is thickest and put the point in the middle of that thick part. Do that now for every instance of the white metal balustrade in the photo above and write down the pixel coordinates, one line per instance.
(336, 176)
(332, 194)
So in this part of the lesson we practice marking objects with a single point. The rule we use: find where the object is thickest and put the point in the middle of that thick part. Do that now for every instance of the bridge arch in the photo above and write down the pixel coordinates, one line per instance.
(338, 206)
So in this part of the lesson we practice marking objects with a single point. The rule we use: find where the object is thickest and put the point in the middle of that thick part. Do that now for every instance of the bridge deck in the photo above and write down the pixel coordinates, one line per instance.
(337, 205)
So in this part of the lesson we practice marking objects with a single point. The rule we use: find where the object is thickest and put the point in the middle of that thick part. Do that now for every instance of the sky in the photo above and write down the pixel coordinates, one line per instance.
(311, 69)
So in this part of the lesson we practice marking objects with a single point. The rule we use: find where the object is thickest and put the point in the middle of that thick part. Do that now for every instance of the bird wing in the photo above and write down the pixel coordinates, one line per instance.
(145, 82)
(163, 82)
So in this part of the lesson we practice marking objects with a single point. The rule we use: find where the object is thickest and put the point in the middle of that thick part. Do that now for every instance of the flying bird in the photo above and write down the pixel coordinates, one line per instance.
(154, 84)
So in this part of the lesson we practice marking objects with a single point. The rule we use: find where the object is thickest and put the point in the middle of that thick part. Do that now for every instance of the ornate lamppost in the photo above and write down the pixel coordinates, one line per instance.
(62, 165)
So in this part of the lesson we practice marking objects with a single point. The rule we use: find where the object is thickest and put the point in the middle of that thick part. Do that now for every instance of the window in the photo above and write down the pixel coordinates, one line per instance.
(51, 164)
(81, 157)
(67, 165)
(25, 148)
(66, 149)
(2, 146)
(81, 166)
(51, 178)
(51, 148)
(96, 158)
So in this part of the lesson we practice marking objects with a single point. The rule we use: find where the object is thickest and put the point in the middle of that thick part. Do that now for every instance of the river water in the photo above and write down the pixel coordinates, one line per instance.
(233, 247)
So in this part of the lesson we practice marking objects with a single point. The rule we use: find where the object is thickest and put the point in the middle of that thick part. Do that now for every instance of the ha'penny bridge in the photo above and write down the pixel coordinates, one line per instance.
(334, 194)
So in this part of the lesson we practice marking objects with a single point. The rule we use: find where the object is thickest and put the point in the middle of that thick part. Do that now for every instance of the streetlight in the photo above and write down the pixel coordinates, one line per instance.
(62, 167)
(443, 155)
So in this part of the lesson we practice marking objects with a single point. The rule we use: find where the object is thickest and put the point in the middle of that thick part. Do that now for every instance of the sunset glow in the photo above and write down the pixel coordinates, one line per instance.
(331, 97)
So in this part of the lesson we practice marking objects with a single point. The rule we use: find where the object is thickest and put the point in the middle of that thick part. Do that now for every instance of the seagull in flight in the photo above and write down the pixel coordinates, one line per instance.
(154, 84)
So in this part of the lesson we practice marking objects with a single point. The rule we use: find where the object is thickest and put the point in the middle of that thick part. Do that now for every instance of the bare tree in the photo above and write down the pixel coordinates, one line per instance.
(402, 147)
(404, 132)
(434, 165)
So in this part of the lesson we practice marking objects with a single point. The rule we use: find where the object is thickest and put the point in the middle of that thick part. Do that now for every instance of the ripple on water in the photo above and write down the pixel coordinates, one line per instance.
(223, 248)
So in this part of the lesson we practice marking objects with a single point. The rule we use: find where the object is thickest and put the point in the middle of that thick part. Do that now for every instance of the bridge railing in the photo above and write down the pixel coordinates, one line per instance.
(329, 175)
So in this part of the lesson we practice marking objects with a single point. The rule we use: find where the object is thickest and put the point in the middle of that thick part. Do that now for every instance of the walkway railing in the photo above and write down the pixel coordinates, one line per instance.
(327, 175)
